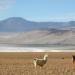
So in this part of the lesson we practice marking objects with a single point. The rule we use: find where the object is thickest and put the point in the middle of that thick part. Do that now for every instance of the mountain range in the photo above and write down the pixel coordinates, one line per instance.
(17, 30)
(18, 24)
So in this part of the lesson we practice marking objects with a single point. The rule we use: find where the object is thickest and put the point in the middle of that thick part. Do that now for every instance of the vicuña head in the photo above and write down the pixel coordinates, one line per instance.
(45, 56)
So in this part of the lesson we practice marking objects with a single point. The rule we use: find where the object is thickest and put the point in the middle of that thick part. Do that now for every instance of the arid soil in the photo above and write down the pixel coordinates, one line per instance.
(59, 63)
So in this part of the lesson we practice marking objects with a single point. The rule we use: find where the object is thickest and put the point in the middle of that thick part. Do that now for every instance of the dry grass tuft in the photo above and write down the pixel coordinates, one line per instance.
(22, 64)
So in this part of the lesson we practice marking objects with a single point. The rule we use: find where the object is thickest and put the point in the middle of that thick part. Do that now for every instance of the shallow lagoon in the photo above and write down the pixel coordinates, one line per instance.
(36, 48)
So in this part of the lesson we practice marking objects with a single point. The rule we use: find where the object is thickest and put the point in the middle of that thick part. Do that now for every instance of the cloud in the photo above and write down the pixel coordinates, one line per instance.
(5, 4)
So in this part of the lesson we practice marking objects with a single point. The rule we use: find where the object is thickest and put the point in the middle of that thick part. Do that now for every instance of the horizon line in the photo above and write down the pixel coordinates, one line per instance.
(56, 20)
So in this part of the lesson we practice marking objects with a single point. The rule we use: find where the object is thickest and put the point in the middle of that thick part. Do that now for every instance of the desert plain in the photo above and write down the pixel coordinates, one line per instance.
(21, 63)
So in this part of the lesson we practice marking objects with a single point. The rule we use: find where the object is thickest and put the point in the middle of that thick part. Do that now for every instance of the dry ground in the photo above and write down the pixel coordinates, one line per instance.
(59, 63)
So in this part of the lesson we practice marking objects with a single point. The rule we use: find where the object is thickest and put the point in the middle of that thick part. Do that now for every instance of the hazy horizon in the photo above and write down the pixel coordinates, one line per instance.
(34, 20)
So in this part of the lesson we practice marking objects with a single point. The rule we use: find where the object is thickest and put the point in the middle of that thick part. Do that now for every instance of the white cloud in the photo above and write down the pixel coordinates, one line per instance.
(5, 4)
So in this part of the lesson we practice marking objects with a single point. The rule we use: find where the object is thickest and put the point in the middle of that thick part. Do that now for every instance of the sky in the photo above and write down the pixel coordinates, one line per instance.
(38, 10)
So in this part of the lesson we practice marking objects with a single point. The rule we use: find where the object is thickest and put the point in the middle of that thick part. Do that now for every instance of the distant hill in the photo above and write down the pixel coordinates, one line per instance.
(52, 37)
(18, 24)
(16, 30)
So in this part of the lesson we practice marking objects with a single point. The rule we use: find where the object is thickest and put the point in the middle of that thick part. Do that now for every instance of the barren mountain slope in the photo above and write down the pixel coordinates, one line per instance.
(39, 37)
